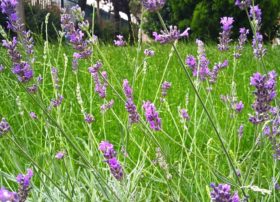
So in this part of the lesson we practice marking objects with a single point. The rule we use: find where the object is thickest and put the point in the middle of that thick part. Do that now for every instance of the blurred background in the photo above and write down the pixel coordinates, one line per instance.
(125, 17)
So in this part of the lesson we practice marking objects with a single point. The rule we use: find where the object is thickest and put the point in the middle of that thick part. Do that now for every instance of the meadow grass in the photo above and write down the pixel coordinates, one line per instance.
(190, 152)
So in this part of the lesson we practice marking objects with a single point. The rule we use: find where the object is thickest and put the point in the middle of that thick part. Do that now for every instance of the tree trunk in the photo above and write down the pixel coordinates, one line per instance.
(20, 13)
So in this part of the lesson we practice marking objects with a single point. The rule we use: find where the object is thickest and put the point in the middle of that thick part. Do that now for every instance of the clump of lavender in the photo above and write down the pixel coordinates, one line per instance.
(89, 118)
(265, 92)
(243, 4)
(153, 5)
(224, 37)
(4, 127)
(199, 68)
(184, 115)
(239, 106)
(216, 69)
(240, 131)
(20, 68)
(110, 155)
(60, 155)
(7, 196)
(24, 185)
(33, 115)
(99, 87)
(57, 101)
(129, 104)
(75, 37)
(256, 18)
(149, 52)
(222, 193)
(171, 35)
(107, 106)
(8, 7)
(152, 115)
(119, 41)
(164, 88)
(241, 41)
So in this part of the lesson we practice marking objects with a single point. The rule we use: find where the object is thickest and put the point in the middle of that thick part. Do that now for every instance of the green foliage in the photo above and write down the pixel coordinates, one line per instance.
(203, 16)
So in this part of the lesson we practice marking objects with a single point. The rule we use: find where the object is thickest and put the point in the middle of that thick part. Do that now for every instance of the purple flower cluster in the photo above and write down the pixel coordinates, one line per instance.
(56, 102)
(243, 4)
(259, 50)
(20, 68)
(239, 106)
(184, 114)
(60, 155)
(99, 87)
(129, 104)
(107, 106)
(272, 131)
(24, 184)
(75, 37)
(149, 52)
(222, 193)
(8, 7)
(199, 69)
(153, 5)
(225, 34)
(164, 88)
(4, 127)
(216, 69)
(152, 115)
(110, 155)
(241, 41)
(265, 92)
(232, 101)
(256, 13)
(33, 115)
(7, 196)
(89, 118)
(119, 41)
(171, 35)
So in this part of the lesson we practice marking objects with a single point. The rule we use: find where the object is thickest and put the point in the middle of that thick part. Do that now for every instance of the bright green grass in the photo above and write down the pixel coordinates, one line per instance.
(191, 149)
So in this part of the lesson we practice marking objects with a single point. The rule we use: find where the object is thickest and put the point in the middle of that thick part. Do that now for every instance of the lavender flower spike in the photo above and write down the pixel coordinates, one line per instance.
(153, 5)
(110, 155)
(225, 34)
(221, 193)
(24, 184)
(152, 115)
(7, 196)
(129, 105)
(171, 35)
(241, 41)
(4, 127)
(243, 4)
(119, 41)
(60, 155)
(149, 52)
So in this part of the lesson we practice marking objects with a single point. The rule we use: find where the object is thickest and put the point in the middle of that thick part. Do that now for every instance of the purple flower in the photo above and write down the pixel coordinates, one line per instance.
(99, 87)
(265, 93)
(224, 38)
(191, 62)
(89, 118)
(57, 102)
(164, 88)
(7, 196)
(4, 127)
(149, 52)
(32, 89)
(222, 193)
(258, 48)
(60, 155)
(184, 114)
(243, 4)
(153, 5)
(152, 115)
(256, 13)
(171, 35)
(241, 41)
(24, 184)
(110, 155)
(107, 106)
(129, 104)
(240, 131)
(8, 7)
(216, 69)
(239, 106)
(115, 168)
(119, 41)
(33, 115)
